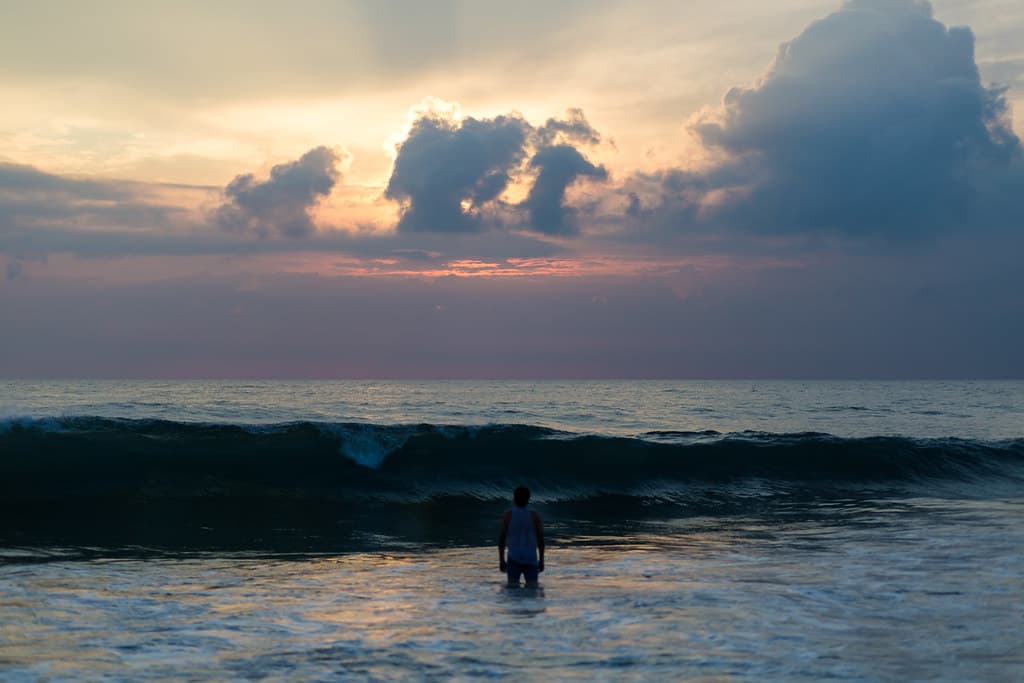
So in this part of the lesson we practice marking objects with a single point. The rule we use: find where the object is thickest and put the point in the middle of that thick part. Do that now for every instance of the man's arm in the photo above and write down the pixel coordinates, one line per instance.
(502, 537)
(538, 526)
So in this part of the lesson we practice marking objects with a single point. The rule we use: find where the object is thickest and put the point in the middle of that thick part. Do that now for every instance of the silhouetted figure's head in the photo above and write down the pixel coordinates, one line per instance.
(521, 496)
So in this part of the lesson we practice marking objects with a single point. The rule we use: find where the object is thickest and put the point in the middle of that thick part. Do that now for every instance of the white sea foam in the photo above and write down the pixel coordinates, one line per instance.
(368, 445)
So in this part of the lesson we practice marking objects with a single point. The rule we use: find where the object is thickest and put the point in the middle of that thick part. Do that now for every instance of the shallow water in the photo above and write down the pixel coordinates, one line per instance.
(858, 591)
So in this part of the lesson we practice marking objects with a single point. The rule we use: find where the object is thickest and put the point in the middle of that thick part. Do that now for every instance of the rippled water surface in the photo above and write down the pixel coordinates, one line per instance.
(993, 410)
(345, 531)
(914, 590)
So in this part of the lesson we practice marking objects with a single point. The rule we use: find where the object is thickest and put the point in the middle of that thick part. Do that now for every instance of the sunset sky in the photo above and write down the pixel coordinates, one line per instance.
(398, 189)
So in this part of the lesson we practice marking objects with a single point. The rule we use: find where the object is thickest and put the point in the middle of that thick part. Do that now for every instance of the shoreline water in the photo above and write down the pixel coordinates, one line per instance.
(920, 591)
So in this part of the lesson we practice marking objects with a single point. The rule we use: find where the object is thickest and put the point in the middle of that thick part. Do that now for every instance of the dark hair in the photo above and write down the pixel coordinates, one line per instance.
(521, 496)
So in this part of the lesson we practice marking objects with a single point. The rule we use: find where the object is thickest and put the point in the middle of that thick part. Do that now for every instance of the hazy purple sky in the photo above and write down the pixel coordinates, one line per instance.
(389, 189)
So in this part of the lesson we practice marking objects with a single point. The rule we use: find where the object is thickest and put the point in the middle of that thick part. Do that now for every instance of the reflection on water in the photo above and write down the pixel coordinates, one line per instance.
(522, 601)
(925, 589)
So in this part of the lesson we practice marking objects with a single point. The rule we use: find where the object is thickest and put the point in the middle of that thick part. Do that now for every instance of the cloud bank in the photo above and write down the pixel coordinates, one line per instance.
(871, 125)
(33, 201)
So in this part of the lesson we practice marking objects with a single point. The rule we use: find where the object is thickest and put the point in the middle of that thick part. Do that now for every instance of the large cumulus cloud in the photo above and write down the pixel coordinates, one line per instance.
(281, 203)
(447, 171)
(872, 121)
(450, 174)
(557, 167)
(558, 164)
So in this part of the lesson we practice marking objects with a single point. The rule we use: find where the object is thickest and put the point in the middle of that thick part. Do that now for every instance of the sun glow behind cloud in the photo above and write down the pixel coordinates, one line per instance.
(145, 268)
(870, 174)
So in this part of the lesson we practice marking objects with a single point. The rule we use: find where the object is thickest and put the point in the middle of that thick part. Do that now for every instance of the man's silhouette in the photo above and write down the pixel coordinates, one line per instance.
(523, 533)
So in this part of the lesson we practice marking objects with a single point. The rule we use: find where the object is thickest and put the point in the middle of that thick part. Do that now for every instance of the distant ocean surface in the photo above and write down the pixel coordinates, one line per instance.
(741, 530)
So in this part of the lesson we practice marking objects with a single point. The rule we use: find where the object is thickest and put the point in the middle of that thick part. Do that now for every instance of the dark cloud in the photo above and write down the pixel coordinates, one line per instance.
(573, 128)
(635, 207)
(43, 213)
(558, 164)
(414, 251)
(14, 269)
(447, 172)
(874, 121)
(557, 167)
(19, 180)
(281, 203)
(450, 174)
(31, 199)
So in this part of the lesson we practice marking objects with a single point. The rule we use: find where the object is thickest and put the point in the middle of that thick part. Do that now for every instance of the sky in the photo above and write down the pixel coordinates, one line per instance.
(469, 189)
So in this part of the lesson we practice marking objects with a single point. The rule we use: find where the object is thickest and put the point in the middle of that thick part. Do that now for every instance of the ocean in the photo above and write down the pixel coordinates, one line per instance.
(696, 530)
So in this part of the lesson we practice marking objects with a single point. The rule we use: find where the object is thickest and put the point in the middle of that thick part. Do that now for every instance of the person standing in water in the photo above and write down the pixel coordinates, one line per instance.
(523, 533)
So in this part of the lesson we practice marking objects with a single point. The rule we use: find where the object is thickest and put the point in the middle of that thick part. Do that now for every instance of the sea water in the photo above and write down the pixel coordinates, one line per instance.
(857, 531)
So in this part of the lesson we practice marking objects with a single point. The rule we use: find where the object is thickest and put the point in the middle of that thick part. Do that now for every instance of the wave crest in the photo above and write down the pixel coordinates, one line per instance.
(91, 457)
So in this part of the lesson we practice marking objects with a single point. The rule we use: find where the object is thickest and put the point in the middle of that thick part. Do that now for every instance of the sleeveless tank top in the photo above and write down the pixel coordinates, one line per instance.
(522, 537)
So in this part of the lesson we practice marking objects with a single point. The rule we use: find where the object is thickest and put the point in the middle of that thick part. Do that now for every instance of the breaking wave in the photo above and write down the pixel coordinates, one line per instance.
(81, 458)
